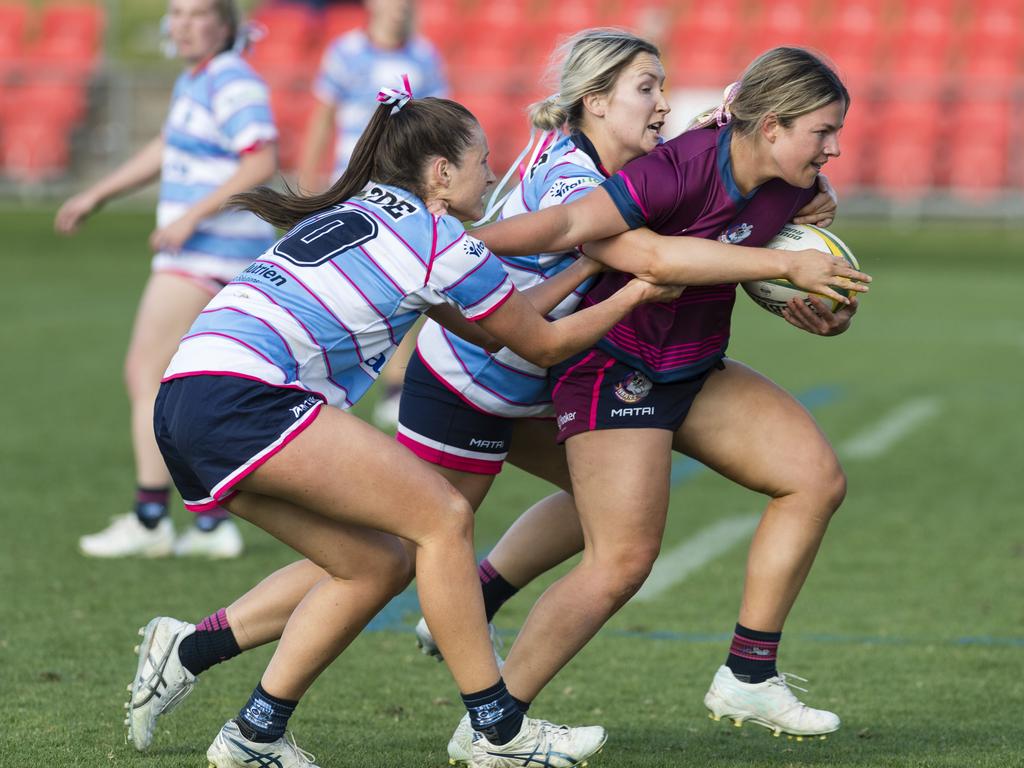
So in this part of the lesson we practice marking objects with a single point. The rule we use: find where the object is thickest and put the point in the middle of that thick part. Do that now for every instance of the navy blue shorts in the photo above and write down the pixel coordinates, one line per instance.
(215, 430)
(593, 390)
(442, 428)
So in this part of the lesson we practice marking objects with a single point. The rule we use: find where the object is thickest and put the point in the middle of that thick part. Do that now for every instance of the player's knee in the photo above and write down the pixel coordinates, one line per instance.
(626, 570)
(141, 378)
(826, 483)
(454, 517)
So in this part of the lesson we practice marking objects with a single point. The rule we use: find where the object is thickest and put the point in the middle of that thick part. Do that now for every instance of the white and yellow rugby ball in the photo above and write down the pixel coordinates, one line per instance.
(773, 295)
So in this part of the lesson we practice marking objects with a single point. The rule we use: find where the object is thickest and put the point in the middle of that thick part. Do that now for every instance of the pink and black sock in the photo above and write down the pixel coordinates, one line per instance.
(496, 590)
(151, 505)
(753, 654)
(211, 643)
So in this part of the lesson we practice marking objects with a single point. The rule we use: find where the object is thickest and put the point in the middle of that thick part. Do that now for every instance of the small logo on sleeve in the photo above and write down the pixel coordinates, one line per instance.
(736, 234)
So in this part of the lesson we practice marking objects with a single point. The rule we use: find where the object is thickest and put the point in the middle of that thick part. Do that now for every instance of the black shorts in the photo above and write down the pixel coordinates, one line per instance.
(215, 430)
(593, 390)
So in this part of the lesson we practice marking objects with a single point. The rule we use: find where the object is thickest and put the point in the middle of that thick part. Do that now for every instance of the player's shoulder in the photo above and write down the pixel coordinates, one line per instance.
(230, 64)
(421, 48)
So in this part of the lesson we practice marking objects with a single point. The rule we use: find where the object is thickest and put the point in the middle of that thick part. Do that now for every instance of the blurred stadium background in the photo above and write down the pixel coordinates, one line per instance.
(937, 84)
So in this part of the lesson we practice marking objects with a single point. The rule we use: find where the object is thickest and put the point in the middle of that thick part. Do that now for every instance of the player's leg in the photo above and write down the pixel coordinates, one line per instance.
(167, 308)
(756, 434)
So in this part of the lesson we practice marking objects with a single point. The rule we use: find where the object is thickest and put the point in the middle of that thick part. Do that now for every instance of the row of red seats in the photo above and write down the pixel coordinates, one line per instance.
(62, 38)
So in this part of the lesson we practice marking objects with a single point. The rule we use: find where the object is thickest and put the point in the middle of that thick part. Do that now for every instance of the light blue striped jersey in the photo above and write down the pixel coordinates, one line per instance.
(504, 383)
(326, 306)
(353, 69)
(219, 110)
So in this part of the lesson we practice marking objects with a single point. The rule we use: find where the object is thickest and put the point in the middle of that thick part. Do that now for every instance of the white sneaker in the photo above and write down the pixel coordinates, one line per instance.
(771, 704)
(460, 745)
(540, 744)
(161, 682)
(126, 536)
(385, 412)
(222, 543)
(232, 750)
(425, 642)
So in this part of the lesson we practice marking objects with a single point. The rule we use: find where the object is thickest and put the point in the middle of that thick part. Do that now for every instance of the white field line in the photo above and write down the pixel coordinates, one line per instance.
(887, 431)
(675, 565)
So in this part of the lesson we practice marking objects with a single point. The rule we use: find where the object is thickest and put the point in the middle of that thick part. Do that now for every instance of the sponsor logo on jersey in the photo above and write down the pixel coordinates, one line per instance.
(304, 406)
(634, 388)
(640, 410)
(565, 418)
(737, 233)
(266, 271)
(564, 187)
(476, 442)
(474, 247)
(393, 205)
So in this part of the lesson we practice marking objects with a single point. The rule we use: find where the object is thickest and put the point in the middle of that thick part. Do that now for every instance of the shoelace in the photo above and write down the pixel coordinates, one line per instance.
(785, 678)
(290, 739)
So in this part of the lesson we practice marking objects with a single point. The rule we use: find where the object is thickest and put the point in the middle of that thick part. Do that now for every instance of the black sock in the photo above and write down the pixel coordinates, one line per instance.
(753, 654)
(494, 713)
(151, 505)
(208, 523)
(496, 589)
(524, 706)
(264, 718)
(211, 643)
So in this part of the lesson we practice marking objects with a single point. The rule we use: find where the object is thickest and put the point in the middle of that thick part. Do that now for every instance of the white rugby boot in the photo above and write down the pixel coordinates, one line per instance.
(540, 744)
(460, 745)
(425, 642)
(161, 682)
(127, 537)
(771, 704)
(222, 543)
(232, 750)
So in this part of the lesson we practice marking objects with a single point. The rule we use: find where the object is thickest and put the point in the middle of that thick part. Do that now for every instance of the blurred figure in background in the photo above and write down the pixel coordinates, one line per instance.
(218, 140)
(353, 65)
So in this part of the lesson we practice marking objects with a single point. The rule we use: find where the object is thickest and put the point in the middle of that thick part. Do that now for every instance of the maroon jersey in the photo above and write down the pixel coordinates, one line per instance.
(686, 187)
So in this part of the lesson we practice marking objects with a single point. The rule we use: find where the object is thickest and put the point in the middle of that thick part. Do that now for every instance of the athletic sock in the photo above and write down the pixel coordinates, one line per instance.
(524, 706)
(494, 713)
(211, 643)
(151, 505)
(496, 590)
(264, 718)
(208, 521)
(752, 655)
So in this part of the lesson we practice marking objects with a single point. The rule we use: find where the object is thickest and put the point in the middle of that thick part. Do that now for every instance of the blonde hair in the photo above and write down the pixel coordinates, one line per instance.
(589, 62)
(786, 82)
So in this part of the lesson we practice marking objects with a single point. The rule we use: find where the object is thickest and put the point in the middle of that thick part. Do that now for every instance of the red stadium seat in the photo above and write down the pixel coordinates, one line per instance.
(69, 42)
(284, 64)
(33, 150)
(978, 168)
(83, 20)
(13, 23)
(849, 170)
(55, 100)
(786, 22)
(702, 61)
(340, 19)
(292, 108)
(905, 167)
(289, 25)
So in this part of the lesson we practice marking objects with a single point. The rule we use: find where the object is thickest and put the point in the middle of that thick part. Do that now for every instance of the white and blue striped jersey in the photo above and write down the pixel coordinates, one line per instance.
(353, 69)
(218, 111)
(325, 307)
(505, 384)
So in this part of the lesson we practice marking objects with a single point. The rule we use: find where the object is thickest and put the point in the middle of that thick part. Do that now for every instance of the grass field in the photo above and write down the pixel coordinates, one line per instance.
(911, 625)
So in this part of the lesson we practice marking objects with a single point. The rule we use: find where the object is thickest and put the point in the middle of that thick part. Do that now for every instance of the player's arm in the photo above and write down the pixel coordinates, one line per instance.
(255, 167)
(319, 134)
(521, 328)
(821, 210)
(558, 228)
(141, 169)
(698, 261)
(544, 297)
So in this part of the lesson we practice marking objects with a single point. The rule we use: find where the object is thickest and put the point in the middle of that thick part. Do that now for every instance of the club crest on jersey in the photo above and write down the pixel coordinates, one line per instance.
(737, 234)
(634, 388)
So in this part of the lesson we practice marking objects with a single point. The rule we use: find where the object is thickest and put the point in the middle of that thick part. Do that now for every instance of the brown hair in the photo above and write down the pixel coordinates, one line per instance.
(393, 149)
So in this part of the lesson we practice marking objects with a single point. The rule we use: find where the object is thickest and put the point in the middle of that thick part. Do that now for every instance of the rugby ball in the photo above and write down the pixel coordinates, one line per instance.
(774, 294)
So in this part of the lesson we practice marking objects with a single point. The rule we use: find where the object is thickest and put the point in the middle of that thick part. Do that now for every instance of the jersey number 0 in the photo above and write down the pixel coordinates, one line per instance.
(323, 238)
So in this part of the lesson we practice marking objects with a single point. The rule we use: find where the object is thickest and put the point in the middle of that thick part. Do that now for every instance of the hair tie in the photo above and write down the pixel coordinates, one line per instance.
(722, 115)
(249, 32)
(397, 98)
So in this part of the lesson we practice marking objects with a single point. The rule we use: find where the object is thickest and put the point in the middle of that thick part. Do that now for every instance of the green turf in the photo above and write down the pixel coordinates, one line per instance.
(911, 625)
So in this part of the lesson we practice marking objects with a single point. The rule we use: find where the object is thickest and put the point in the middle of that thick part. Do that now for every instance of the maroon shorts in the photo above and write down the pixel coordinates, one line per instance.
(595, 391)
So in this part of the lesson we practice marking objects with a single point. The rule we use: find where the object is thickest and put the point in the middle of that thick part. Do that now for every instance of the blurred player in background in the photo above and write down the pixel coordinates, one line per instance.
(353, 64)
(218, 140)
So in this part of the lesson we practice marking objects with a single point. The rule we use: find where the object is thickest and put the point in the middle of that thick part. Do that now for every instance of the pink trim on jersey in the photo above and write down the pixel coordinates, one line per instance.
(386, 226)
(568, 373)
(210, 285)
(433, 249)
(597, 391)
(270, 328)
(225, 487)
(496, 307)
(450, 461)
(237, 341)
(311, 292)
(256, 146)
(634, 195)
(667, 357)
